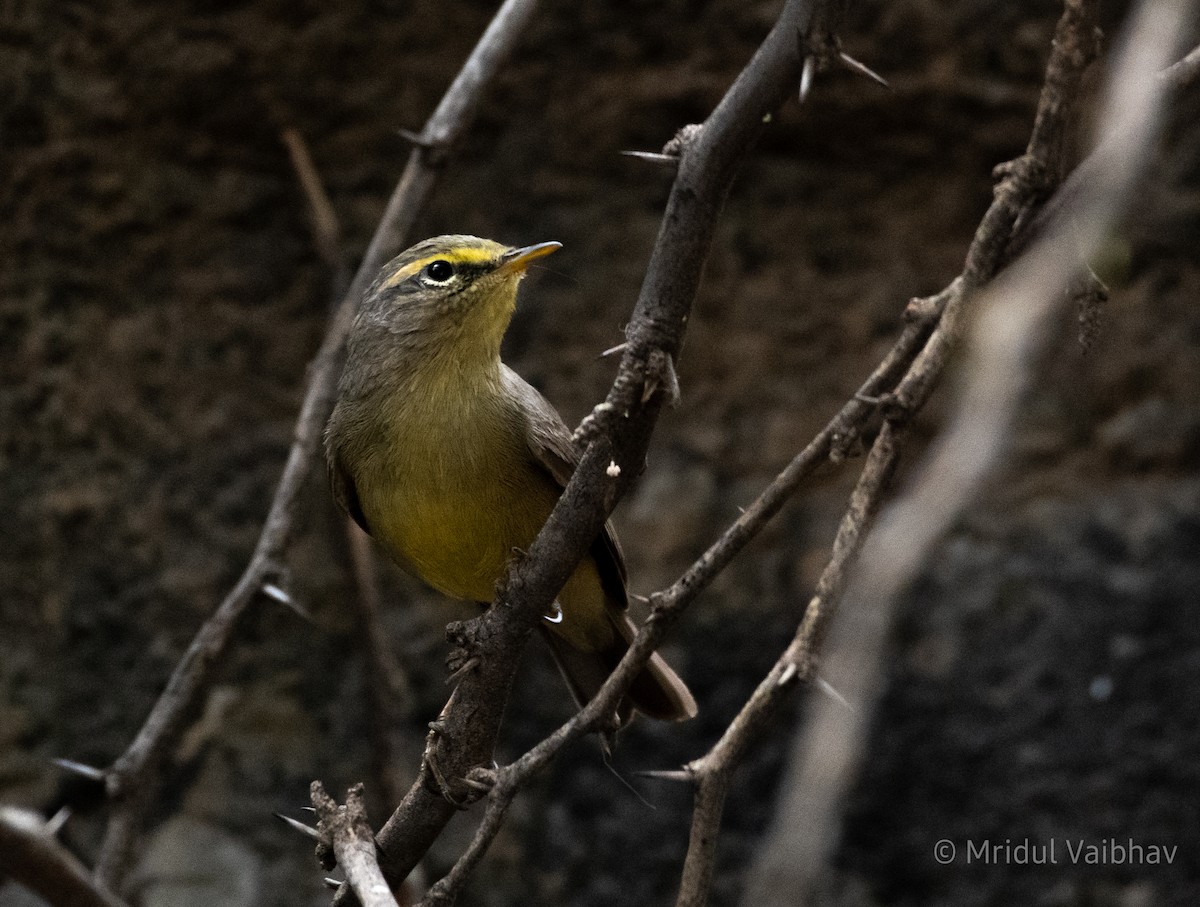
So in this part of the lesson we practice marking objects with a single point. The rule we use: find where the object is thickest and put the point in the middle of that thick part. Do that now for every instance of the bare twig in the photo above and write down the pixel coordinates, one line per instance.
(618, 432)
(134, 776)
(1014, 312)
(326, 228)
(353, 844)
(386, 683)
(387, 687)
(30, 856)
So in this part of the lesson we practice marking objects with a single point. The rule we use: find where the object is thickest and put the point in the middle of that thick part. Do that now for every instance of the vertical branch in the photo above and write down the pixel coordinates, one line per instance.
(387, 692)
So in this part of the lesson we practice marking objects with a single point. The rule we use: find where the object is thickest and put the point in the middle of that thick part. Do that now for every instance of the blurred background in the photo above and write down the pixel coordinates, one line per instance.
(161, 294)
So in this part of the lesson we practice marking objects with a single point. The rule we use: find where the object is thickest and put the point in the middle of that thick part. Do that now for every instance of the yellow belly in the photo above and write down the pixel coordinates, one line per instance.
(456, 521)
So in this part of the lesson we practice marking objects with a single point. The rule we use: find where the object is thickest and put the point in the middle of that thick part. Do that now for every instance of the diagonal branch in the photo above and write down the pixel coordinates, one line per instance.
(135, 775)
(617, 434)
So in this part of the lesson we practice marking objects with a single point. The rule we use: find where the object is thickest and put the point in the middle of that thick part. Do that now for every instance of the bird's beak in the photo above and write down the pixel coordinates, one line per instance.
(518, 259)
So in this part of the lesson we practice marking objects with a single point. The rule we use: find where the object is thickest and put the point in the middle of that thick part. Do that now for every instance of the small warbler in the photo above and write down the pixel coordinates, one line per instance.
(453, 462)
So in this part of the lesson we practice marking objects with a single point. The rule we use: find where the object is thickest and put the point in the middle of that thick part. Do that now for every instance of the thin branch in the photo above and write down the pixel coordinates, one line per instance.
(386, 683)
(713, 772)
(353, 844)
(136, 773)
(669, 605)
(1014, 313)
(617, 432)
(327, 233)
(30, 856)
(387, 687)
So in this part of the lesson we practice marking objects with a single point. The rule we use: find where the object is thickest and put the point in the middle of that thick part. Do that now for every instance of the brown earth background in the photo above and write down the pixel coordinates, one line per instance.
(160, 296)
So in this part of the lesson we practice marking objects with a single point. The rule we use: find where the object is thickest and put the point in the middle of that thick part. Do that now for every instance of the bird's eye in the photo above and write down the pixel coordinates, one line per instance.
(439, 271)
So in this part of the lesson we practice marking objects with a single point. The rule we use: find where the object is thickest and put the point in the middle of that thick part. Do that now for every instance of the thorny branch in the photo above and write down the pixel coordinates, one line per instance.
(349, 835)
(1025, 183)
(135, 775)
(465, 735)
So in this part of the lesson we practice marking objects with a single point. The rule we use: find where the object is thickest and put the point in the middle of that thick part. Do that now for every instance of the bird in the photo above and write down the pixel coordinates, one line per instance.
(452, 462)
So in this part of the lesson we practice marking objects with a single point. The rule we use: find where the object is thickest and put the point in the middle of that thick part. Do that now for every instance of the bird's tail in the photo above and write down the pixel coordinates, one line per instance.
(657, 692)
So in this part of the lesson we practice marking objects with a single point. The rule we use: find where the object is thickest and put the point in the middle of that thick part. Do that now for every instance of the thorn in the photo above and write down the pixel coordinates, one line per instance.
(677, 775)
(478, 785)
(332, 884)
(278, 593)
(418, 139)
(613, 350)
(56, 822)
(612, 472)
(644, 599)
(308, 809)
(556, 614)
(827, 688)
(655, 157)
(86, 771)
(806, 76)
(868, 399)
(788, 675)
(467, 667)
(862, 69)
(306, 830)
(273, 591)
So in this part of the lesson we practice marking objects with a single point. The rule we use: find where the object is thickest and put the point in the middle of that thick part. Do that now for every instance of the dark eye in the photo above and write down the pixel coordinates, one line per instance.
(439, 270)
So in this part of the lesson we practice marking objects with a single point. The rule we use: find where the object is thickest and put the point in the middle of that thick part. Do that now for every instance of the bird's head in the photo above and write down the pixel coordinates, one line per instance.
(450, 294)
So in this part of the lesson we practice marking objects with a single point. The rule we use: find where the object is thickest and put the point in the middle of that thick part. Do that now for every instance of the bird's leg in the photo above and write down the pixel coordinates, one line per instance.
(429, 760)
(479, 780)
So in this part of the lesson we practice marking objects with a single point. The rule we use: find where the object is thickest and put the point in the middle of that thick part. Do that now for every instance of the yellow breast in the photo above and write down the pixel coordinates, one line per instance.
(451, 499)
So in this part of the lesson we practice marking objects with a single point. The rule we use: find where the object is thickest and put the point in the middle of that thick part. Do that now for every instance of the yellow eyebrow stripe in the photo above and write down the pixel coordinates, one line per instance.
(464, 256)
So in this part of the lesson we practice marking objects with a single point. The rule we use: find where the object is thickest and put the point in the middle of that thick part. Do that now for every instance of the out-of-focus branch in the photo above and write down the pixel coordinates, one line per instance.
(349, 834)
(1184, 72)
(135, 775)
(30, 856)
(386, 684)
(387, 687)
(1013, 314)
(327, 232)
(617, 436)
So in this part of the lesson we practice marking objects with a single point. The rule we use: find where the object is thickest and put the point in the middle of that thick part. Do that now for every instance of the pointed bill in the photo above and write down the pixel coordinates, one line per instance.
(519, 259)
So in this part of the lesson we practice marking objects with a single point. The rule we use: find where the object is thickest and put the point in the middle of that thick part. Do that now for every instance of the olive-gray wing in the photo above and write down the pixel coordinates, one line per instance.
(344, 492)
(550, 443)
